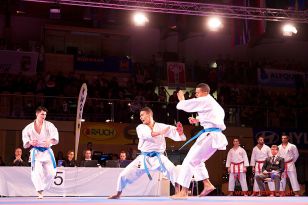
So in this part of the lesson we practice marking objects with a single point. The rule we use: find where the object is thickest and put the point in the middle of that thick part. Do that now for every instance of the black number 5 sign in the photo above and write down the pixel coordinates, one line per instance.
(59, 179)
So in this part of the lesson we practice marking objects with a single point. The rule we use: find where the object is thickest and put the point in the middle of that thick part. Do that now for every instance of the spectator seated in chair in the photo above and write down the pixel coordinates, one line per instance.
(70, 161)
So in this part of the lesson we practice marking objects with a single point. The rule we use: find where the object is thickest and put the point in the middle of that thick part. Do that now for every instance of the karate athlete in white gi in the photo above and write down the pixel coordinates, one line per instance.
(259, 153)
(237, 163)
(211, 117)
(152, 145)
(290, 154)
(41, 135)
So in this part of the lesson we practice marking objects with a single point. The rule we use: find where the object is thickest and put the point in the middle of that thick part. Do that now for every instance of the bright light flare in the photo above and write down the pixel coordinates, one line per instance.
(140, 19)
(289, 30)
(214, 23)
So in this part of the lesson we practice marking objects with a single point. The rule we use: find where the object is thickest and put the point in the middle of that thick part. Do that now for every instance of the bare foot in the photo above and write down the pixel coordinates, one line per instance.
(40, 195)
(207, 190)
(177, 188)
(180, 196)
(116, 196)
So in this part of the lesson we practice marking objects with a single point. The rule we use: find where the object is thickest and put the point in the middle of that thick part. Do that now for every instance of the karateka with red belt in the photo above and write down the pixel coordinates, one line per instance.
(289, 152)
(259, 153)
(237, 163)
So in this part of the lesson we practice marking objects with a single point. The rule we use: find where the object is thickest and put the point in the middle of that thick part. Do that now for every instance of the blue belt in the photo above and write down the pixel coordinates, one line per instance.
(212, 129)
(152, 154)
(43, 149)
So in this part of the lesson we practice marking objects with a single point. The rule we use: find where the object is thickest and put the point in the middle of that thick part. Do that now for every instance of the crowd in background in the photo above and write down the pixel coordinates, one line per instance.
(235, 83)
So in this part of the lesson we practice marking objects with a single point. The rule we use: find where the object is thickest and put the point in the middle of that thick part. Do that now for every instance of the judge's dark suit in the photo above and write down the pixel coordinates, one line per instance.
(275, 168)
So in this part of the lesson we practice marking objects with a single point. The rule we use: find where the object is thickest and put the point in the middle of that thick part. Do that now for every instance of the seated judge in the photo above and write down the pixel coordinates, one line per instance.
(272, 168)
(87, 156)
(69, 160)
(123, 162)
(18, 161)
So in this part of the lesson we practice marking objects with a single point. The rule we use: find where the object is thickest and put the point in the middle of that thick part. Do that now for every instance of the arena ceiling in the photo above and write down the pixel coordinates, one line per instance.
(223, 8)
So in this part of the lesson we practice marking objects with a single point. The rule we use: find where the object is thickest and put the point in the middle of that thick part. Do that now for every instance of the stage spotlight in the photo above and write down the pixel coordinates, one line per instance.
(55, 12)
(140, 19)
(214, 24)
(289, 30)
(213, 64)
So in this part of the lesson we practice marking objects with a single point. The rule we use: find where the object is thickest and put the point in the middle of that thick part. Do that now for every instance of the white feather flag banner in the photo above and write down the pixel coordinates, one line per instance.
(81, 101)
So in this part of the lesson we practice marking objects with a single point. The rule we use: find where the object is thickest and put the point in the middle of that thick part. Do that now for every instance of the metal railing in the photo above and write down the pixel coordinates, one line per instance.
(127, 111)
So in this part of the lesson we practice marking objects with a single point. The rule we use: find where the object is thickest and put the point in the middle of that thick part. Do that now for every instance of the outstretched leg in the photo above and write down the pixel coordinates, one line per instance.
(130, 174)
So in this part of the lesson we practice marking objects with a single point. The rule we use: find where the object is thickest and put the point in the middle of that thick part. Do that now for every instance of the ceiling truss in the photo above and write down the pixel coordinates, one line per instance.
(191, 8)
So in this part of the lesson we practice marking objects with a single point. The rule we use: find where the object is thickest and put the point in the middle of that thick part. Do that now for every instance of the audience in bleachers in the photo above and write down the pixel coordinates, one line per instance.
(234, 81)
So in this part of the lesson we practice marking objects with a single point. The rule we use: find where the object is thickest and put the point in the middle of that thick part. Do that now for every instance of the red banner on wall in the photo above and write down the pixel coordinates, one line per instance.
(176, 75)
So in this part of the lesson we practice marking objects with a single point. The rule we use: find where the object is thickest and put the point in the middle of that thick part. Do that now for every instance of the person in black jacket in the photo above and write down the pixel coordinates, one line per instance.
(69, 160)
(18, 161)
(272, 168)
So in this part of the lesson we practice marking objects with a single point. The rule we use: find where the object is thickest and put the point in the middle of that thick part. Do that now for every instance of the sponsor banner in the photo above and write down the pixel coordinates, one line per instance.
(81, 101)
(125, 134)
(16, 62)
(106, 64)
(280, 77)
(273, 136)
(176, 75)
(108, 133)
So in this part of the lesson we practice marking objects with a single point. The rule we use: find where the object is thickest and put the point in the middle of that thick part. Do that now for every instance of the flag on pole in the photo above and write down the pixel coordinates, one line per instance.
(240, 27)
(81, 101)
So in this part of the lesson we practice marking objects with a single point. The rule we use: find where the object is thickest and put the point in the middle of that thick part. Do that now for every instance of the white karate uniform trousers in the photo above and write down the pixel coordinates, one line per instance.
(193, 164)
(131, 173)
(292, 175)
(43, 172)
(242, 180)
(255, 184)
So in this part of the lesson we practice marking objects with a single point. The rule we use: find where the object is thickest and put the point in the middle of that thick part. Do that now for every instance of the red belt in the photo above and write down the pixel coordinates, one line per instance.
(259, 165)
(286, 167)
(238, 169)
